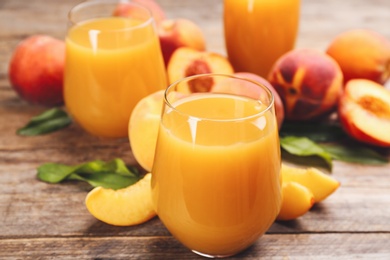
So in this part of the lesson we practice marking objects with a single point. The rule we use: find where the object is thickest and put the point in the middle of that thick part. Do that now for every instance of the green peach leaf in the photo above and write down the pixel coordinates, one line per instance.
(47, 122)
(354, 153)
(302, 146)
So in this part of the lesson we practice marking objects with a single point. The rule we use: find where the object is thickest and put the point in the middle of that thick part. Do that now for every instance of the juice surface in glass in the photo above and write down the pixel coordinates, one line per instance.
(258, 32)
(215, 181)
(110, 66)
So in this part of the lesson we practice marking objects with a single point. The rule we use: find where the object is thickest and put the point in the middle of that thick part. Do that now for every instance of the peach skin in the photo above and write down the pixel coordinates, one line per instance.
(309, 83)
(362, 54)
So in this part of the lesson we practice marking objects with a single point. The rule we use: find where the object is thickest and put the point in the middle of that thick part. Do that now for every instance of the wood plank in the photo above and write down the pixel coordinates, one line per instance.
(40, 209)
(44, 221)
(319, 22)
(294, 246)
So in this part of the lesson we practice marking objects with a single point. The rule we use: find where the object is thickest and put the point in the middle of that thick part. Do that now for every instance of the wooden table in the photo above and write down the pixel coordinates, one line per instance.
(43, 221)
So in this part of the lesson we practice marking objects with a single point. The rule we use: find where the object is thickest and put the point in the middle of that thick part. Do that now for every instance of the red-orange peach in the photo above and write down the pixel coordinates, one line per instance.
(187, 62)
(362, 54)
(364, 112)
(36, 70)
(309, 82)
(251, 90)
(125, 9)
(176, 33)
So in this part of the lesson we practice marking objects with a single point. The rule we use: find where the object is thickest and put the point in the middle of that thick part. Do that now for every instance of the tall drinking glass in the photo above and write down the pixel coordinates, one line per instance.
(258, 32)
(215, 177)
(111, 63)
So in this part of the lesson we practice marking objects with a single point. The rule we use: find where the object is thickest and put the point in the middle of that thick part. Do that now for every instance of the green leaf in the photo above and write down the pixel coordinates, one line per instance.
(317, 132)
(47, 122)
(302, 146)
(115, 166)
(113, 174)
(354, 154)
(118, 166)
(54, 172)
(105, 179)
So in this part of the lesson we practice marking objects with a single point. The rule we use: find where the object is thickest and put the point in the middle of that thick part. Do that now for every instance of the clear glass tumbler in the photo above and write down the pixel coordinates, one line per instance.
(258, 32)
(112, 62)
(215, 177)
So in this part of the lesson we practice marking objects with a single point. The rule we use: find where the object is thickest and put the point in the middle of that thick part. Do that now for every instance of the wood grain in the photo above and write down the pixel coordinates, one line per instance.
(297, 246)
(46, 221)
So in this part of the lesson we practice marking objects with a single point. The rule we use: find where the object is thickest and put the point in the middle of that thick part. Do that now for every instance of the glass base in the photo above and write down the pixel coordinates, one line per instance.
(210, 256)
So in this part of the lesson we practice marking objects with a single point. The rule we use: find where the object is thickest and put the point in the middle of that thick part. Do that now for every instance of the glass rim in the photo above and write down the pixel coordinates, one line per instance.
(260, 113)
(87, 3)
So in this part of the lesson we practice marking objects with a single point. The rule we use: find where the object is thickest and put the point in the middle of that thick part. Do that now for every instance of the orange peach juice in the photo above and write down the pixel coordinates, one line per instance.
(215, 178)
(110, 66)
(258, 32)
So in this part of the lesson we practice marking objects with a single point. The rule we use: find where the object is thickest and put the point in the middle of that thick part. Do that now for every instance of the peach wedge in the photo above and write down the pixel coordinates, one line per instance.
(320, 184)
(124, 207)
(297, 200)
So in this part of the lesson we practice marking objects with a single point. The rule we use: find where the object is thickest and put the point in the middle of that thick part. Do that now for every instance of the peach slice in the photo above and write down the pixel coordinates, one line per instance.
(320, 184)
(187, 61)
(124, 207)
(143, 128)
(364, 112)
(176, 33)
(296, 201)
(362, 54)
(251, 90)
(309, 83)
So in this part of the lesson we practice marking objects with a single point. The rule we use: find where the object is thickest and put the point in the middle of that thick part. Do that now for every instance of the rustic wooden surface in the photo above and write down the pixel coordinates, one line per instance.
(43, 221)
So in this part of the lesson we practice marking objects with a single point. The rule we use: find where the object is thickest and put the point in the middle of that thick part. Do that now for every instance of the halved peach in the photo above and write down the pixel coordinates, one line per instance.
(143, 128)
(364, 112)
(320, 184)
(187, 61)
(124, 207)
(296, 201)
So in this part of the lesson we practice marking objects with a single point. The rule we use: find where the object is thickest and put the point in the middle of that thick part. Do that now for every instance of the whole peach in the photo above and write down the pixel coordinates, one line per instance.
(362, 54)
(309, 82)
(252, 91)
(125, 9)
(364, 112)
(176, 33)
(36, 70)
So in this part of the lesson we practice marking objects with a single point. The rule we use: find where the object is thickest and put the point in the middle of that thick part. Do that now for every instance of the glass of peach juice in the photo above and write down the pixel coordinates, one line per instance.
(258, 32)
(113, 59)
(215, 177)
